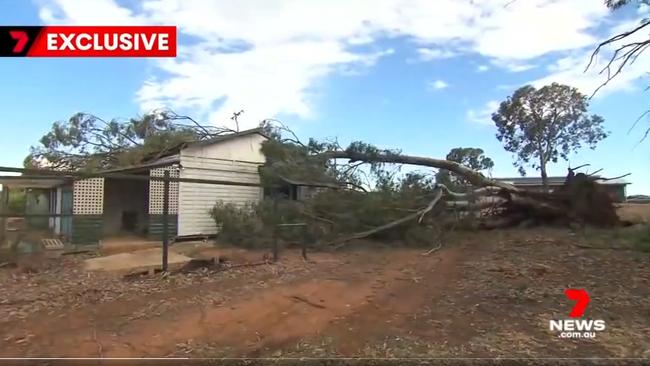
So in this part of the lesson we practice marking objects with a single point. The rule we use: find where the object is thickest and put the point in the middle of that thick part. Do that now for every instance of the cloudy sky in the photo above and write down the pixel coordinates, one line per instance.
(422, 76)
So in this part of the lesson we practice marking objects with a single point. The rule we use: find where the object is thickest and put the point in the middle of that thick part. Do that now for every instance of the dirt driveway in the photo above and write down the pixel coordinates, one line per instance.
(482, 296)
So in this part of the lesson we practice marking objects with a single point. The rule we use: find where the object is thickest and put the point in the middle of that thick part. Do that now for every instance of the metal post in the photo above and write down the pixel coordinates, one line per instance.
(276, 255)
(165, 223)
(4, 208)
(304, 240)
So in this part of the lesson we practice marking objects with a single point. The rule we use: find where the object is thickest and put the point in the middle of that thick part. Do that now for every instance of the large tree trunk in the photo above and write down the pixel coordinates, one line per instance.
(474, 177)
(580, 200)
(542, 168)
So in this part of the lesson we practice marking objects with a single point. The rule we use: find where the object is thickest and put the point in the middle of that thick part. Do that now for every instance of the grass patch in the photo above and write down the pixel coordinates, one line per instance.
(640, 239)
(635, 238)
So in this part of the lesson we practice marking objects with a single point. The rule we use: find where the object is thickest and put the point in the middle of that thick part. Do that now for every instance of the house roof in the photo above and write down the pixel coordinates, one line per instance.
(164, 161)
(304, 183)
(226, 137)
(173, 155)
(553, 181)
(19, 181)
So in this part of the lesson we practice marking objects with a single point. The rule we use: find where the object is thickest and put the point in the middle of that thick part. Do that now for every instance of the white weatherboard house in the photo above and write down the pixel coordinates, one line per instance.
(103, 207)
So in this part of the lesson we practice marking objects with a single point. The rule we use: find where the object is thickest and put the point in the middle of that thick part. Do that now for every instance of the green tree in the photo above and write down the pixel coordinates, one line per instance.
(87, 142)
(543, 125)
(471, 157)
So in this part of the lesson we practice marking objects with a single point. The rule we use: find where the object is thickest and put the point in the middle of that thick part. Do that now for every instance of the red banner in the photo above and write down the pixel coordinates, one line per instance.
(88, 41)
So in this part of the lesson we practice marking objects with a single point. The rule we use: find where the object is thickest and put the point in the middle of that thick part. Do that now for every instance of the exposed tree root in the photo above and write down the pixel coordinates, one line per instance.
(580, 200)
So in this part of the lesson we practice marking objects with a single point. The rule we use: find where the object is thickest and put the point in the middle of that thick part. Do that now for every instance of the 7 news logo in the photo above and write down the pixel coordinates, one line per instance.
(576, 327)
(16, 41)
(88, 41)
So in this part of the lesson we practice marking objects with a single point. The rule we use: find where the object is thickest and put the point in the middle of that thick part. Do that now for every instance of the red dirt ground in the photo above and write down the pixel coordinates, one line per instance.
(482, 295)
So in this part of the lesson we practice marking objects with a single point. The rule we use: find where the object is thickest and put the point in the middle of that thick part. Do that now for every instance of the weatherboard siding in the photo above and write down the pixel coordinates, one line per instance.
(156, 226)
(87, 229)
(237, 160)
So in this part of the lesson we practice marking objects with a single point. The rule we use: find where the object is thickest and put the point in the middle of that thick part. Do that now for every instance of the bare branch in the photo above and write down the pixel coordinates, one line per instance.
(579, 166)
(284, 127)
(624, 54)
(646, 113)
(608, 179)
(594, 173)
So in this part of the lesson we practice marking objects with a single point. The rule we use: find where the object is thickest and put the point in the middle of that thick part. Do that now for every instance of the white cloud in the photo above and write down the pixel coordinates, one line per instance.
(482, 68)
(572, 70)
(513, 65)
(267, 57)
(483, 115)
(438, 85)
(528, 29)
(428, 54)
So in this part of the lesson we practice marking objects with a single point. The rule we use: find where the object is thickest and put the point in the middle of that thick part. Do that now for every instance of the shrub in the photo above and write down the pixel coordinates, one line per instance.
(237, 225)
(17, 201)
(641, 241)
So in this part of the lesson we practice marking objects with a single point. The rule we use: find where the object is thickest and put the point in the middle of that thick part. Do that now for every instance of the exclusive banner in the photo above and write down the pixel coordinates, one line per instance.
(88, 41)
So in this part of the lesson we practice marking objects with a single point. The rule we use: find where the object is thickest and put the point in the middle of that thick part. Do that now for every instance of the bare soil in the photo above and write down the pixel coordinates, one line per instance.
(488, 294)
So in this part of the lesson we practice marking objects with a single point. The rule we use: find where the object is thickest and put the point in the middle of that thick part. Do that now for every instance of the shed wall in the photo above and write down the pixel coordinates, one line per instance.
(235, 160)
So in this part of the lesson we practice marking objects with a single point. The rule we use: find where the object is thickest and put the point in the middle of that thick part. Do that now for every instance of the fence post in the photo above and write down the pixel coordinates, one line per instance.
(276, 249)
(165, 223)
(4, 208)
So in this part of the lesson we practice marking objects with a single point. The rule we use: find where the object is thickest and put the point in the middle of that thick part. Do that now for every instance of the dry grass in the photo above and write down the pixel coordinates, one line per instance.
(637, 213)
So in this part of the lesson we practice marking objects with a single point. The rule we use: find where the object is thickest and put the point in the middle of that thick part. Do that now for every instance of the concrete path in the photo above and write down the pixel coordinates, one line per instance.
(140, 259)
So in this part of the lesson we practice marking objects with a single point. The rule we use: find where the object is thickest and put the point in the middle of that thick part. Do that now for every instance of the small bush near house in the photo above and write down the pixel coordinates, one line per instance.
(17, 202)
(238, 225)
(256, 225)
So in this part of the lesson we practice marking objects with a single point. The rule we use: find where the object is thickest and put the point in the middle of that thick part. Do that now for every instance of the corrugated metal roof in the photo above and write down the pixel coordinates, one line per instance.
(553, 181)
(167, 160)
(226, 137)
(27, 182)
(533, 181)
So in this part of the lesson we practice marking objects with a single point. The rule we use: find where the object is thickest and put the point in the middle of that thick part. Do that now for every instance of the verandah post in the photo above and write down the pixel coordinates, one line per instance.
(165, 223)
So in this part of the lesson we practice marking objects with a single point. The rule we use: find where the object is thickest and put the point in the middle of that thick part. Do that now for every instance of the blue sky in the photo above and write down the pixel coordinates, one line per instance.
(395, 73)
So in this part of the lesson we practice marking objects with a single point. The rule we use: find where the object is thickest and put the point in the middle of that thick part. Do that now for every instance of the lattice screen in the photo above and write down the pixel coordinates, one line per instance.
(88, 197)
(156, 192)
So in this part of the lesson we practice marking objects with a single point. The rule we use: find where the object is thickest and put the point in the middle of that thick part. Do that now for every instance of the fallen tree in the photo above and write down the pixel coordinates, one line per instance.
(581, 199)
(474, 177)
(407, 208)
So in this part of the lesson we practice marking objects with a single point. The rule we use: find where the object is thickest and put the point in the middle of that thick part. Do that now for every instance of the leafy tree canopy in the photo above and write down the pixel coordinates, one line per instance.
(471, 157)
(87, 142)
(543, 125)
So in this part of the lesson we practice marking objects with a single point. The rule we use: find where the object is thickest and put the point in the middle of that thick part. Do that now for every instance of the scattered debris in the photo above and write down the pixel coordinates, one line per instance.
(8, 265)
(196, 264)
(52, 244)
(74, 252)
(301, 299)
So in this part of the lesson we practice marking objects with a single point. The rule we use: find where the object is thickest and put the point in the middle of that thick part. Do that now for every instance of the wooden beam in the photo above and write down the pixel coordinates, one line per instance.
(43, 174)
(3, 215)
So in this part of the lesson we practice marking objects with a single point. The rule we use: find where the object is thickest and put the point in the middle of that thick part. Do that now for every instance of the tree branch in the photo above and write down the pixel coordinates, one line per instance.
(608, 179)
(474, 177)
(419, 215)
(626, 53)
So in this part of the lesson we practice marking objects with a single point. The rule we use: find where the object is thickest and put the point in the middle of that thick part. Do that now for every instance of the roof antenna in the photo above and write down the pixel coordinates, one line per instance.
(235, 117)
